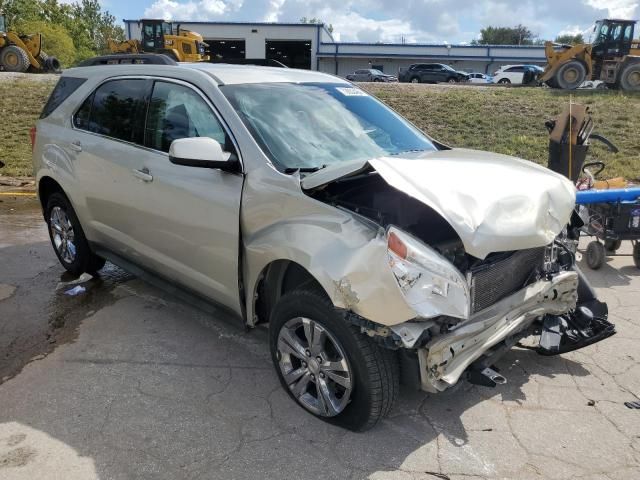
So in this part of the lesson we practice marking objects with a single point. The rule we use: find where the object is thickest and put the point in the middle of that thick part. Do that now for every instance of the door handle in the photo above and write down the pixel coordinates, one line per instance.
(143, 175)
(76, 146)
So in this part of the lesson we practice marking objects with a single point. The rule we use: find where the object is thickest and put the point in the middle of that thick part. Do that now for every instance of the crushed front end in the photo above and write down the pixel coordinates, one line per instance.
(481, 267)
(509, 296)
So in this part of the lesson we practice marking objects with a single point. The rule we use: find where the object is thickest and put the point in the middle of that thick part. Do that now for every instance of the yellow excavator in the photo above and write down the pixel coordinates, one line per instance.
(21, 53)
(159, 36)
(613, 57)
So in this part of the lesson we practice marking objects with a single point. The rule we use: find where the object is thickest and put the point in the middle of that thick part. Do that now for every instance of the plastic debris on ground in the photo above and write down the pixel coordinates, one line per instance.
(77, 290)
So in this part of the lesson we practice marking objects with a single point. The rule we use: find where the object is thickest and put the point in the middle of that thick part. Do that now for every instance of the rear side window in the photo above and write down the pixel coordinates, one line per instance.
(115, 109)
(65, 87)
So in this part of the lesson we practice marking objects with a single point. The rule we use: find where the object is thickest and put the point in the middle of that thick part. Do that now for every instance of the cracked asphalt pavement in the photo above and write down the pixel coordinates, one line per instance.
(123, 381)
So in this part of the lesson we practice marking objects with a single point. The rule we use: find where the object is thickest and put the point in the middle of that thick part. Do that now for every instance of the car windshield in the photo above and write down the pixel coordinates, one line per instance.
(312, 125)
(376, 72)
(448, 67)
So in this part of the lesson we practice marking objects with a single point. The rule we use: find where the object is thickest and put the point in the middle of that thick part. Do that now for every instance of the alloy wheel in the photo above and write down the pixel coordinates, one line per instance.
(62, 234)
(314, 367)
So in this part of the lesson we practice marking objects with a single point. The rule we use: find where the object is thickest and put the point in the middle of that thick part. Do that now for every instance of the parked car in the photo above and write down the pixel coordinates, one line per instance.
(480, 78)
(370, 75)
(431, 73)
(297, 200)
(515, 74)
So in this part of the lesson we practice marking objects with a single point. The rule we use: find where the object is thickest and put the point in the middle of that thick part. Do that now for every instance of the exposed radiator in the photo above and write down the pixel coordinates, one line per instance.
(493, 281)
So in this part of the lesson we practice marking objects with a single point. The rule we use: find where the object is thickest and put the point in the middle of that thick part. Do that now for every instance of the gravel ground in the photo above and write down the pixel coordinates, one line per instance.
(125, 382)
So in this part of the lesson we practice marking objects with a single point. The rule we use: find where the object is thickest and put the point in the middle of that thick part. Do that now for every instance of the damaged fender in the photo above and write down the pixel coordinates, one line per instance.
(346, 256)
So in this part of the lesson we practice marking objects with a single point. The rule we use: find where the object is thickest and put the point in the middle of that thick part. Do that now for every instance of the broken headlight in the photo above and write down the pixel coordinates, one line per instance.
(429, 282)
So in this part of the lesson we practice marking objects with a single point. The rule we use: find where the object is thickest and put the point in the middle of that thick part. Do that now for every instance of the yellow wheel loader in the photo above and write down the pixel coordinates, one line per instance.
(159, 36)
(19, 53)
(613, 57)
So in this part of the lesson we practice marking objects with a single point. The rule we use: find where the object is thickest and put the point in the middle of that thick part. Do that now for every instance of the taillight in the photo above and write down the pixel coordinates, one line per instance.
(32, 134)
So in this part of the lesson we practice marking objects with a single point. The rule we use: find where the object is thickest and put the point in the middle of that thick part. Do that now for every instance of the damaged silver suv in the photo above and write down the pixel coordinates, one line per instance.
(295, 199)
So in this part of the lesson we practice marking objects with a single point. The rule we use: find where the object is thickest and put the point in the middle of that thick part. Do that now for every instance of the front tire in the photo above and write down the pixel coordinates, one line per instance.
(14, 59)
(327, 366)
(504, 81)
(571, 75)
(415, 80)
(595, 255)
(68, 239)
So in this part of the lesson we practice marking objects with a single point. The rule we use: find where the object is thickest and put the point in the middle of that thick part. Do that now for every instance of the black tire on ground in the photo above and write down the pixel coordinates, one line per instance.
(504, 81)
(630, 78)
(374, 370)
(595, 255)
(14, 59)
(377, 80)
(571, 75)
(452, 80)
(552, 83)
(84, 259)
(636, 254)
(49, 63)
(612, 245)
(415, 80)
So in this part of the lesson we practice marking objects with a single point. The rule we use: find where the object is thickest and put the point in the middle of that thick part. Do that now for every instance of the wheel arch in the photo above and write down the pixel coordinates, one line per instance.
(276, 279)
(46, 187)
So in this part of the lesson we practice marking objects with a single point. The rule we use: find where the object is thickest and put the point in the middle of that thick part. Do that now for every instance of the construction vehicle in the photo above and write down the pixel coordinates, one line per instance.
(613, 57)
(159, 36)
(19, 53)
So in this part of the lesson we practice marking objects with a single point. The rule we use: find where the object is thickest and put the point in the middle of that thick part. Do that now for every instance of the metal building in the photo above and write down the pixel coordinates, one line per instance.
(311, 46)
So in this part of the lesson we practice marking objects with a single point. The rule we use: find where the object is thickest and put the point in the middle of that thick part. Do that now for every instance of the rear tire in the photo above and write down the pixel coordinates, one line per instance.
(504, 81)
(595, 255)
(14, 59)
(67, 237)
(612, 245)
(636, 254)
(571, 75)
(415, 80)
(372, 371)
(630, 78)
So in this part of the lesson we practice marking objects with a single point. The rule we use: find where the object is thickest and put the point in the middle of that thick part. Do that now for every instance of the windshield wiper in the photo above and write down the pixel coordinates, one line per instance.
(409, 151)
(303, 169)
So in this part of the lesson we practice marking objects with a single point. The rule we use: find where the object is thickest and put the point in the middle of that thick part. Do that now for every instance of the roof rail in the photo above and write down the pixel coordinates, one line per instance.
(129, 58)
(262, 62)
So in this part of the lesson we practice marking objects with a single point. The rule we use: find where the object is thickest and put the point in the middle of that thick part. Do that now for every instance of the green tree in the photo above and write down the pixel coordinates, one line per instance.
(518, 35)
(317, 21)
(570, 39)
(56, 40)
(87, 24)
(24, 10)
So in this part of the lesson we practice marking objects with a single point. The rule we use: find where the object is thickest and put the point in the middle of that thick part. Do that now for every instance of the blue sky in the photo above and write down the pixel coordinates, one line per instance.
(453, 21)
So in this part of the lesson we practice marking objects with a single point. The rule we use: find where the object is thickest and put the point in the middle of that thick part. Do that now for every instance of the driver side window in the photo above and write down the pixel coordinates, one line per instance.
(176, 111)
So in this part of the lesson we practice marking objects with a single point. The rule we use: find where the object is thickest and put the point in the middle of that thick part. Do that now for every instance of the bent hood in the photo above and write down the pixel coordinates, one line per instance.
(494, 202)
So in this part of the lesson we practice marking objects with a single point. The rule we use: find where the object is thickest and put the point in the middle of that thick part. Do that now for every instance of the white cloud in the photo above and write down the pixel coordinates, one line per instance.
(412, 20)
(616, 8)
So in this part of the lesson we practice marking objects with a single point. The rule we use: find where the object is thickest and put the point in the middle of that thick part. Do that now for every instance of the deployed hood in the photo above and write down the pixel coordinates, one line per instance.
(494, 202)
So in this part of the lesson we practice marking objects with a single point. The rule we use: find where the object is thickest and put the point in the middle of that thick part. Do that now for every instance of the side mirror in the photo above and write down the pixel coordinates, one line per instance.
(203, 152)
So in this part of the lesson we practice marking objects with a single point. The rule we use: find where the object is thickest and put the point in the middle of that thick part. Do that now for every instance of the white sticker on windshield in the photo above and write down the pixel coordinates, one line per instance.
(351, 92)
